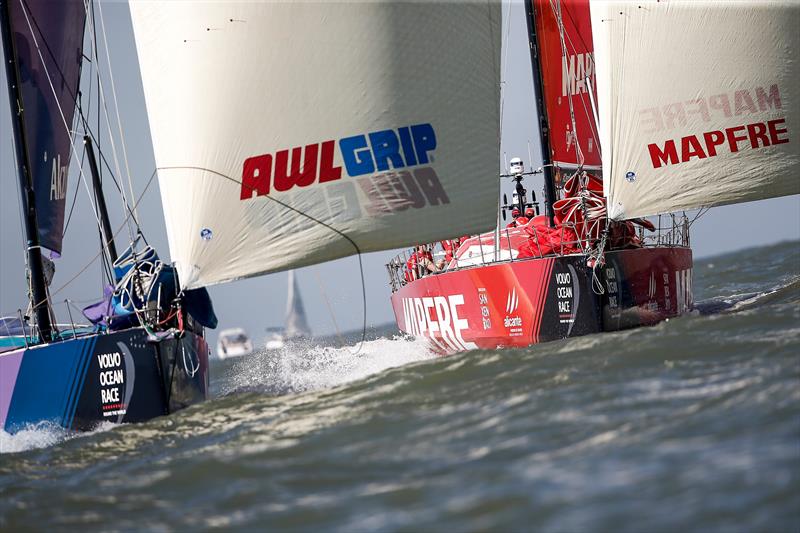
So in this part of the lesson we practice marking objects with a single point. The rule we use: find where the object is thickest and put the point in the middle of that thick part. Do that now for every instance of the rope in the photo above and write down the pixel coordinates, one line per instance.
(104, 247)
(116, 105)
(195, 367)
(559, 19)
(330, 309)
(504, 63)
(60, 111)
(103, 99)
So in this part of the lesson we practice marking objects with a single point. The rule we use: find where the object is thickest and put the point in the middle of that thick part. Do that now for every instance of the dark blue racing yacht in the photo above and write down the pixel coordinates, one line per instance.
(143, 354)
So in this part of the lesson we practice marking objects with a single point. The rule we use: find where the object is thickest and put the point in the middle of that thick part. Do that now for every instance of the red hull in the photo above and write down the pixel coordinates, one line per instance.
(534, 300)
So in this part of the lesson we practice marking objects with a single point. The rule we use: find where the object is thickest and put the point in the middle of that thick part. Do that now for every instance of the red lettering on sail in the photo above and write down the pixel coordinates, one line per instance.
(669, 155)
(758, 135)
(775, 133)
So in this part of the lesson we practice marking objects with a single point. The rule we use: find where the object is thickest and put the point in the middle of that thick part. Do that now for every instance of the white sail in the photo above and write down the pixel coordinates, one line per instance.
(698, 102)
(279, 128)
(296, 321)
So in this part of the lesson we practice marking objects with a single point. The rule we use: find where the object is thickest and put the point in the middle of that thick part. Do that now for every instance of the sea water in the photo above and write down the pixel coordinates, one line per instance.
(693, 424)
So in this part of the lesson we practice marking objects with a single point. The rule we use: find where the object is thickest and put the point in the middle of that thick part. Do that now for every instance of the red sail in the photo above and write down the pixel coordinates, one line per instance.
(566, 64)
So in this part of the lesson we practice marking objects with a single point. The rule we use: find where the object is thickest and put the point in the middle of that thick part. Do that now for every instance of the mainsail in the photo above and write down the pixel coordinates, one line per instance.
(698, 103)
(296, 321)
(48, 40)
(567, 61)
(290, 133)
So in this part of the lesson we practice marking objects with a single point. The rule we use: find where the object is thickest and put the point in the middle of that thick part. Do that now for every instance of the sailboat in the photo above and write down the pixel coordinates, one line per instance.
(646, 109)
(144, 355)
(295, 324)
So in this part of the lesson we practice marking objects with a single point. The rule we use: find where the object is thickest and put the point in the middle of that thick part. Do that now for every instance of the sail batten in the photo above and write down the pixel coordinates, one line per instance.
(698, 103)
(287, 134)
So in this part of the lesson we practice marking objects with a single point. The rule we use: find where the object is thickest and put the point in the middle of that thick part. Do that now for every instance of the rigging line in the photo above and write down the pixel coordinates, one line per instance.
(702, 211)
(504, 63)
(24, 5)
(72, 204)
(102, 98)
(495, 67)
(560, 21)
(23, 239)
(580, 37)
(89, 6)
(592, 123)
(31, 19)
(104, 161)
(61, 113)
(83, 120)
(306, 215)
(105, 246)
(116, 105)
(330, 308)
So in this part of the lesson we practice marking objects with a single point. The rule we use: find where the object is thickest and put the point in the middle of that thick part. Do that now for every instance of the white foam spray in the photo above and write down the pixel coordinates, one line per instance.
(299, 367)
(42, 435)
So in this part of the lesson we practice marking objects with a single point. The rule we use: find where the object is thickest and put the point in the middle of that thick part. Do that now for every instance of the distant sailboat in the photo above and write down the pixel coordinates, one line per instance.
(295, 324)
(296, 321)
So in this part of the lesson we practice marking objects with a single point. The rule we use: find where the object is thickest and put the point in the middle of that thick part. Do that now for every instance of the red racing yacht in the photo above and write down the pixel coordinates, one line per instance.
(646, 109)
(536, 282)
(569, 271)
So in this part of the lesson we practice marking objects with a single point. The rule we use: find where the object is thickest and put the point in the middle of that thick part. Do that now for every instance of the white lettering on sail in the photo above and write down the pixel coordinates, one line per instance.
(575, 69)
(58, 180)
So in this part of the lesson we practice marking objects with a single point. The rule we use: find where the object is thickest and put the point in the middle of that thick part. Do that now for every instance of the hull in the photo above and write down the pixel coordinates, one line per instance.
(116, 377)
(524, 302)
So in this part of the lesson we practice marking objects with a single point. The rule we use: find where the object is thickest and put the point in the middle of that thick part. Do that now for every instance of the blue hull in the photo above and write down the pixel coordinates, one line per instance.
(115, 377)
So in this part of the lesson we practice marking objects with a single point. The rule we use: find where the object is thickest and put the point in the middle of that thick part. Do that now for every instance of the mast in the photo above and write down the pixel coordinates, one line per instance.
(41, 307)
(105, 224)
(544, 130)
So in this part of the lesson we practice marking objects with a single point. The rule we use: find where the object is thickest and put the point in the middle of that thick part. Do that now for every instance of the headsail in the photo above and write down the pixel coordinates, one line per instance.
(289, 133)
(48, 38)
(296, 321)
(698, 103)
(567, 62)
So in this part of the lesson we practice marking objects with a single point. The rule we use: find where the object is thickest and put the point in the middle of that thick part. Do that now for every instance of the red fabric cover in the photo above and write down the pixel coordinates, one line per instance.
(544, 240)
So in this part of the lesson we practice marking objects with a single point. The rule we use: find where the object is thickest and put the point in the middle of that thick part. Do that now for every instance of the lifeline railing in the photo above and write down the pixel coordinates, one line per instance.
(670, 231)
(27, 334)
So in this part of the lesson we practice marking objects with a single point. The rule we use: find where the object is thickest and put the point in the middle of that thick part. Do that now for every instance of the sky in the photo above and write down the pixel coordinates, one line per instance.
(258, 303)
